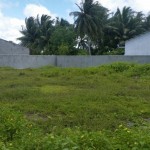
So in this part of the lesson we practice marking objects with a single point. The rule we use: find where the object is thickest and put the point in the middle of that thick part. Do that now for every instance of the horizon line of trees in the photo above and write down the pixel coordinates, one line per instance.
(95, 31)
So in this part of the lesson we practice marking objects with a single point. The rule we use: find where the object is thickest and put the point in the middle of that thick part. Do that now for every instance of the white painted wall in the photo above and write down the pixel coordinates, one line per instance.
(139, 45)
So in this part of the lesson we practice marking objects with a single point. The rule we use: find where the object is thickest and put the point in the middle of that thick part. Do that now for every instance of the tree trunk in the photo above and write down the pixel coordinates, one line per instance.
(89, 46)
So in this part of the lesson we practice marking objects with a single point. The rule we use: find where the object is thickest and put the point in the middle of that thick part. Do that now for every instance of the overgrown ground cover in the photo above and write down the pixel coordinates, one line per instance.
(99, 108)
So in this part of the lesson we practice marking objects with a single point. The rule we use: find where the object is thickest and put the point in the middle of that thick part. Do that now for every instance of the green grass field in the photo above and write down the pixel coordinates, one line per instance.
(99, 108)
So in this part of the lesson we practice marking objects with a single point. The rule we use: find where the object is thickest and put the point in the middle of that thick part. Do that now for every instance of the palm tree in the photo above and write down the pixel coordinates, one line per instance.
(126, 24)
(30, 34)
(37, 33)
(45, 29)
(87, 21)
(136, 25)
(62, 22)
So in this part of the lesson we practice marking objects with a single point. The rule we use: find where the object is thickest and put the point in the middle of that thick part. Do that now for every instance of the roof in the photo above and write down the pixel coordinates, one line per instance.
(11, 48)
(140, 35)
(8, 41)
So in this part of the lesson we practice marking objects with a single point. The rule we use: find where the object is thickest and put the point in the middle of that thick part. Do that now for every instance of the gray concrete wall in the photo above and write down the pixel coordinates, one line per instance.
(139, 45)
(88, 61)
(32, 61)
(12, 48)
(26, 61)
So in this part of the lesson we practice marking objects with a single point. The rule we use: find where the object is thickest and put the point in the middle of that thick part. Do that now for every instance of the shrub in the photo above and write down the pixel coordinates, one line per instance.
(118, 51)
(121, 66)
(140, 70)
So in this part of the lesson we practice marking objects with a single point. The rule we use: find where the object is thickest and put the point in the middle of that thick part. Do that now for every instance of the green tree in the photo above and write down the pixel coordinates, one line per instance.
(126, 24)
(62, 22)
(63, 39)
(45, 29)
(37, 33)
(30, 34)
(87, 21)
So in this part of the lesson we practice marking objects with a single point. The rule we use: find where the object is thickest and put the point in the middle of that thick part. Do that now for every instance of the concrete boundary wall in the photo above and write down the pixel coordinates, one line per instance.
(87, 61)
(26, 61)
(33, 61)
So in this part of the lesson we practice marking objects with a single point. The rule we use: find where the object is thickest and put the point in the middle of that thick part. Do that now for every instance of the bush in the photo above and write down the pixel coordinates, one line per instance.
(63, 49)
(118, 51)
(128, 138)
(82, 52)
(141, 70)
(18, 133)
(121, 66)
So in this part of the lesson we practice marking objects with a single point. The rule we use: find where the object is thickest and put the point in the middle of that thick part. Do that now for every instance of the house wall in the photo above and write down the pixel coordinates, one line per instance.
(12, 48)
(139, 45)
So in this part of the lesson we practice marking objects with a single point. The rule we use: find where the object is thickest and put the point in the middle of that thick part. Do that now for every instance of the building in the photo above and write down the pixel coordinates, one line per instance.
(139, 45)
(10, 48)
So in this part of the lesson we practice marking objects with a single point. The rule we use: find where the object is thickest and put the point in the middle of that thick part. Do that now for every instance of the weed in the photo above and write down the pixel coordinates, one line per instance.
(104, 107)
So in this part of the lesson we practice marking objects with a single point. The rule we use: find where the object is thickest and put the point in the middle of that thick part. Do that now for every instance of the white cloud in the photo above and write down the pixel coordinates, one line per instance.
(69, 18)
(10, 27)
(142, 5)
(34, 10)
(137, 5)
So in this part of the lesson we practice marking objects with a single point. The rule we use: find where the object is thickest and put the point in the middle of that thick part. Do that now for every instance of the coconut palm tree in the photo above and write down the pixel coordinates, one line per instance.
(37, 33)
(45, 29)
(62, 22)
(30, 34)
(87, 21)
(126, 24)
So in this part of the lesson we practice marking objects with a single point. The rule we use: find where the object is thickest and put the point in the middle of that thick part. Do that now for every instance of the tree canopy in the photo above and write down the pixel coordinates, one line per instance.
(95, 30)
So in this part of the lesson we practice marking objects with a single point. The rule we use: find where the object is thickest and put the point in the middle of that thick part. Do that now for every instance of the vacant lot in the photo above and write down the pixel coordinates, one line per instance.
(106, 107)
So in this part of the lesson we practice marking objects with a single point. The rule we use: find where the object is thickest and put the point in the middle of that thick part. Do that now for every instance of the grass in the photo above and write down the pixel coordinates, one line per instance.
(69, 108)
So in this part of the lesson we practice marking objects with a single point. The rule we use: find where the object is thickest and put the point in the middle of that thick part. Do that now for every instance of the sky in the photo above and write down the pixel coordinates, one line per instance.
(14, 12)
